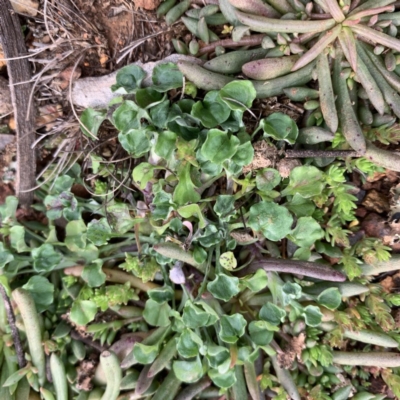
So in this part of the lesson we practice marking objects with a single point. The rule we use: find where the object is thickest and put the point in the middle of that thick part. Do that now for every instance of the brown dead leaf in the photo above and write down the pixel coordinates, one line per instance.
(85, 373)
(147, 4)
(376, 201)
(293, 350)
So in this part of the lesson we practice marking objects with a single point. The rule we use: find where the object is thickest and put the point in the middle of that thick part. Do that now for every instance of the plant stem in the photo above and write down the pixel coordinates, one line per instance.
(115, 276)
(311, 269)
(252, 40)
(14, 331)
(371, 359)
(320, 153)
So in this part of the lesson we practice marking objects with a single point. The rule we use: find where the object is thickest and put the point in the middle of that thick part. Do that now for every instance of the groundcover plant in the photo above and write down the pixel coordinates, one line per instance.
(348, 47)
(214, 264)
(211, 280)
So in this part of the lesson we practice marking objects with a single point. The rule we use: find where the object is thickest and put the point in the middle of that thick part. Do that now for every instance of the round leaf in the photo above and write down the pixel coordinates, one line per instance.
(307, 232)
(145, 354)
(280, 126)
(82, 312)
(330, 298)
(188, 371)
(232, 328)
(306, 181)
(238, 95)
(273, 314)
(156, 314)
(224, 287)
(212, 111)
(272, 220)
(219, 147)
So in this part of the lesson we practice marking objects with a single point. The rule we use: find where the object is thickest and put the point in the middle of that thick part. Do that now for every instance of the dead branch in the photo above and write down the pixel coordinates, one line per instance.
(20, 74)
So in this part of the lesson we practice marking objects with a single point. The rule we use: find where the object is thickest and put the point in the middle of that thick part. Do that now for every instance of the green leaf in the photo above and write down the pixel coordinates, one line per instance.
(163, 205)
(192, 210)
(300, 206)
(185, 127)
(290, 291)
(83, 311)
(75, 235)
(120, 217)
(238, 95)
(228, 261)
(9, 209)
(63, 184)
(148, 96)
(93, 274)
(42, 292)
(45, 258)
(259, 333)
(267, 179)
(273, 314)
(130, 78)
(166, 144)
(219, 147)
(90, 122)
(16, 377)
(99, 231)
(218, 357)
(256, 282)
(125, 117)
(312, 315)
(306, 181)
(135, 142)
(156, 314)
(166, 77)
(272, 220)
(161, 295)
(224, 205)
(223, 380)
(145, 354)
(5, 256)
(232, 328)
(210, 237)
(188, 371)
(244, 154)
(143, 173)
(224, 287)
(212, 111)
(189, 344)
(185, 190)
(196, 316)
(280, 126)
(330, 298)
(159, 114)
(17, 238)
(306, 232)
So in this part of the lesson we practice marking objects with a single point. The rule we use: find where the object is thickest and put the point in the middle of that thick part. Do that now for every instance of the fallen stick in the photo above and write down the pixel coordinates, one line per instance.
(19, 72)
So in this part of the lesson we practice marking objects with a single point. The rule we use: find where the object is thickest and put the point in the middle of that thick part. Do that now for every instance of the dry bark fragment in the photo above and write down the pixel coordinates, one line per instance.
(20, 74)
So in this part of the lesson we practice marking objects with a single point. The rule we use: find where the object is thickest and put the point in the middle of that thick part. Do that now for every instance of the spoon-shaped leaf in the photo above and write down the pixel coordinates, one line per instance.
(257, 7)
(335, 10)
(263, 24)
(373, 11)
(371, 4)
(318, 48)
(377, 37)
(327, 97)
(348, 43)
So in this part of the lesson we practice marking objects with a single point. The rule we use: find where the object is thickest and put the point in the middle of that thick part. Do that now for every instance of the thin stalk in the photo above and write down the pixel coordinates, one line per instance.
(115, 276)
(14, 331)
